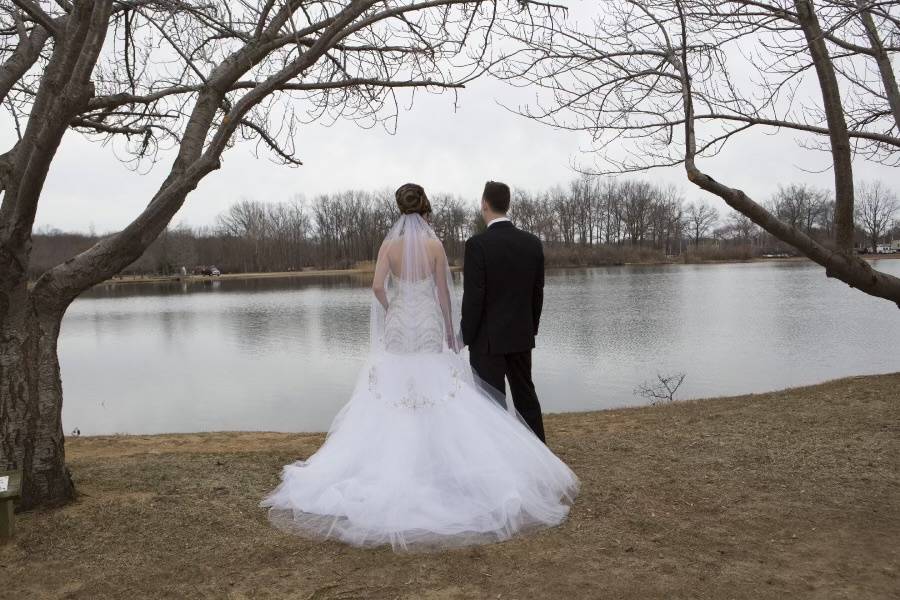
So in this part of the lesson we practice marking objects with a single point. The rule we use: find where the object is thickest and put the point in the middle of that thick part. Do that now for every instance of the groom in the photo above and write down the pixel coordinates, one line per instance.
(503, 294)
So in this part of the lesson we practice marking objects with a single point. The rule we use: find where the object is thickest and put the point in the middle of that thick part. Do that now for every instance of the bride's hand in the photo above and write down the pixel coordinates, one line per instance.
(453, 342)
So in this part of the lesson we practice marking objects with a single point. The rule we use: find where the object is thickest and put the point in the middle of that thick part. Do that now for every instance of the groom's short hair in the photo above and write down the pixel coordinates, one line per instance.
(496, 195)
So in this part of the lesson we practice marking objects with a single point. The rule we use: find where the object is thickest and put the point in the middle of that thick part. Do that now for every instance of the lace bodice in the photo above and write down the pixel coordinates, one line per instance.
(413, 322)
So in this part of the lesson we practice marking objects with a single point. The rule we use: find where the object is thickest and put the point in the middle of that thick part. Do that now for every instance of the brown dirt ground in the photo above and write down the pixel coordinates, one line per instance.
(792, 494)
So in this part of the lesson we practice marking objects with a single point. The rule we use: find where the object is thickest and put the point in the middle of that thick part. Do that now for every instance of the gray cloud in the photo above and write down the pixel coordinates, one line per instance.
(444, 148)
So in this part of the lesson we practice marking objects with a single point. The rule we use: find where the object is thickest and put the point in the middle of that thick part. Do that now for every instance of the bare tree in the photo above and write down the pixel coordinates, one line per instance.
(800, 206)
(663, 390)
(451, 222)
(895, 232)
(342, 229)
(701, 218)
(744, 228)
(637, 200)
(876, 210)
(174, 248)
(146, 75)
(653, 82)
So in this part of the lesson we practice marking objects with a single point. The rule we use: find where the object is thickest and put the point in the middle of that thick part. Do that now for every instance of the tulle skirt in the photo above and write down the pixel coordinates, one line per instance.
(422, 459)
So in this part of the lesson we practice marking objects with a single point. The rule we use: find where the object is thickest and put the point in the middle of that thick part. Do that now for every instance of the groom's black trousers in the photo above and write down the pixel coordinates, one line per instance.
(516, 367)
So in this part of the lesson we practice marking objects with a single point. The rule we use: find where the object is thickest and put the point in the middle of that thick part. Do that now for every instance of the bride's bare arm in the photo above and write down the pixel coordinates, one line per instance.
(440, 269)
(381, 272)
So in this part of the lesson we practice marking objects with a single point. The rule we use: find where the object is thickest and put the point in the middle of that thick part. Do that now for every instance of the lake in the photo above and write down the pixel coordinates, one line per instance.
(283, 354)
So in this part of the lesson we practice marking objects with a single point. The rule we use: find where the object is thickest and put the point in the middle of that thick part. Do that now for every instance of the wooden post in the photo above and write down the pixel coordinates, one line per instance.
(10, 489)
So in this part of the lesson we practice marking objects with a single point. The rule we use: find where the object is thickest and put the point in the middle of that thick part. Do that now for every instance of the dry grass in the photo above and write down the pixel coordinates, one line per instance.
(792, 494)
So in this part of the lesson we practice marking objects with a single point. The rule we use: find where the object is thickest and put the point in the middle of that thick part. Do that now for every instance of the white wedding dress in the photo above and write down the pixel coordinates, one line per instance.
(421, 457)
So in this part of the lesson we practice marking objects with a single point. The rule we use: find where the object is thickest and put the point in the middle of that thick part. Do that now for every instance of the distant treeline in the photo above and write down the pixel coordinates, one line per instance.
(591, 221)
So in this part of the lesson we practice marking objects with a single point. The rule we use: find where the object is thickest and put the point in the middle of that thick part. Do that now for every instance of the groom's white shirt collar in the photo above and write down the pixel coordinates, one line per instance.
(497, 220)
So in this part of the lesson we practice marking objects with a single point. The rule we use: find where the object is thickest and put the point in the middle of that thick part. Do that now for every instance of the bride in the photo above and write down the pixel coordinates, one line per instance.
(422, 457)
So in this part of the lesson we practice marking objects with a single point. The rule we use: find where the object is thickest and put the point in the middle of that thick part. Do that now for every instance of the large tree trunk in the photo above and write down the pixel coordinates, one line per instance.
(31, 435)
(839, 136)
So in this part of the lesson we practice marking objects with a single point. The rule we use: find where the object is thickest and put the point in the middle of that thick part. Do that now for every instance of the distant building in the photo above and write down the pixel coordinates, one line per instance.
(896, 245)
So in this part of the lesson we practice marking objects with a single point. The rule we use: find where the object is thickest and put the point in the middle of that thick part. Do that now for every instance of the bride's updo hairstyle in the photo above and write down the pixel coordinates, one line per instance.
(411, 199)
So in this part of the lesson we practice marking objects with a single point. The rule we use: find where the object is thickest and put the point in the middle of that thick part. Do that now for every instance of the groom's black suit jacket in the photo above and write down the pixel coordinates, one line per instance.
(503, 290)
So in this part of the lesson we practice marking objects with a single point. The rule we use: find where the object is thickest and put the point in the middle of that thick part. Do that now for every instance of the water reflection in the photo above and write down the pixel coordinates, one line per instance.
(283, 354)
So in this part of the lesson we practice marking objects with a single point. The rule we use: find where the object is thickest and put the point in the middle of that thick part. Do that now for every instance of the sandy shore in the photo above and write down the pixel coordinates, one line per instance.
(792, 494)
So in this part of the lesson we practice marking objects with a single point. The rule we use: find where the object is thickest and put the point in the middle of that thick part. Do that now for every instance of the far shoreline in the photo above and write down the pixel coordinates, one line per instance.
(309, 273)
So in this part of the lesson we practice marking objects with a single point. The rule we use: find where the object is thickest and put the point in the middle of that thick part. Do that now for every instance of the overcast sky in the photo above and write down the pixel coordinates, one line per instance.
(444, 148)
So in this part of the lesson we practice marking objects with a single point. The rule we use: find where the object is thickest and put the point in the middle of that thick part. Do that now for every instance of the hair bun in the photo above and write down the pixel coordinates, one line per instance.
(411, 199)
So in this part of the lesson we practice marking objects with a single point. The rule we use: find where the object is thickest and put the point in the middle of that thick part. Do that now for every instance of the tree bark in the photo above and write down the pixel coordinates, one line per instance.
(22, 59)
(31, 435)
(885, 69)
(841, 151)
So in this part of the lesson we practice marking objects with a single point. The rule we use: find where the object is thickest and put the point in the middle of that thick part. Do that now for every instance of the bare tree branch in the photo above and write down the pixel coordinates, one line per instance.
(651, 82)
(36, 12)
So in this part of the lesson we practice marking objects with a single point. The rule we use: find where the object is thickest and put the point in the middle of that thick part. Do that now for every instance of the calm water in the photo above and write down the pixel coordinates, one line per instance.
(283, 354)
